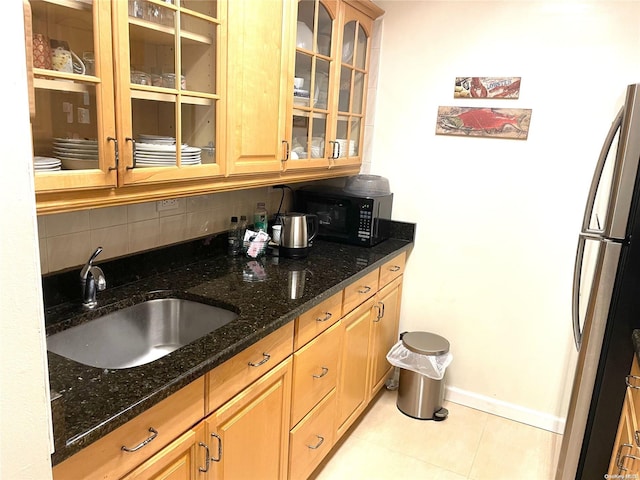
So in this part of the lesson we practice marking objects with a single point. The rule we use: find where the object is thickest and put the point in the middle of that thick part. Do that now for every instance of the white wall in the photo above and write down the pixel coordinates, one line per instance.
(24, 402)
(498, 219)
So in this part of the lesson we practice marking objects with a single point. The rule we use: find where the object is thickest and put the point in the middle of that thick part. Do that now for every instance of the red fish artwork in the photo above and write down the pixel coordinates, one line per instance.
(484, 122)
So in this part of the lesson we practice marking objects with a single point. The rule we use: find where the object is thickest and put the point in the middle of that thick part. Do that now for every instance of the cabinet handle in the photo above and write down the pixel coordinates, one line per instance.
(620, 457)
(628, 379)
(327, 316)
(633, 457)
(395, 268)
(154, 434)
(380, 308)
(286, 149)
(317, 445)
(207, 459)
(365, 289)
(264, 360)
(217, 437)
(115, 143)
(325, 370)
(333, 149)
(133, 150)
(637, 437)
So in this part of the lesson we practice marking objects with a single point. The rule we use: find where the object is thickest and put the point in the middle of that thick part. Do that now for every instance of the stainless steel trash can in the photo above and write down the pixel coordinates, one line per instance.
(419, 396)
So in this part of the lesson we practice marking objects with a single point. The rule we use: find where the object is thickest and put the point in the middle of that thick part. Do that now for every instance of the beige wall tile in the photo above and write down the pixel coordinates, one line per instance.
(65, 223)
(143, 235)
(200, 203)
(108, 217)
(172, 229)
(65, 251)
(44, 263)
(180, 210)
(199, 223)
(141, 211)
(42, 227)
(113, 240)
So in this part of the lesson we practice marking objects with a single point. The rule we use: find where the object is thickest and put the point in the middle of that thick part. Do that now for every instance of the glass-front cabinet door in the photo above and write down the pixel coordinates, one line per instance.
(353, 78)
(168, 96)
(312, 116)
(73, 129)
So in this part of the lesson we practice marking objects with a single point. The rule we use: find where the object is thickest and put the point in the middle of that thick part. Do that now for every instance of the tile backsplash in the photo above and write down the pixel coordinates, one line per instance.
(67, 239)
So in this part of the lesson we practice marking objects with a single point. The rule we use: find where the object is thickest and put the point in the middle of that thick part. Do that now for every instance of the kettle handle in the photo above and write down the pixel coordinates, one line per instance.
(312, 224)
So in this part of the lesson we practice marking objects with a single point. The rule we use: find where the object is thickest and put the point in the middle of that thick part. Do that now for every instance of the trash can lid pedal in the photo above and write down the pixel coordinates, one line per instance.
(425, 343)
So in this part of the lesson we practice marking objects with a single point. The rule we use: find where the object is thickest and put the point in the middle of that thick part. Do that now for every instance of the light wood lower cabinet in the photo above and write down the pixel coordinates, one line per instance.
(353, 385)
(384, 332)
(248, 436)
(625, 458)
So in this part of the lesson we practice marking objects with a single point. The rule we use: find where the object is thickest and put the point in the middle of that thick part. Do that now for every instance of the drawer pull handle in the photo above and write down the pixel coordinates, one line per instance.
(154, 434)
(620, 457)
(632, 457)
(366, 289)
(380, 308)
(217, 437)
(317, 445)
(207, 458)
(325, 370)
(628, 379)
(264, 360)
(395, 268)
(637, 437)
(327, 316)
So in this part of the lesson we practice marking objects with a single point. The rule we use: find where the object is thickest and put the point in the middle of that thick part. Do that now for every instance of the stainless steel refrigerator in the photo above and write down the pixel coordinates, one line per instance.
(606, 299)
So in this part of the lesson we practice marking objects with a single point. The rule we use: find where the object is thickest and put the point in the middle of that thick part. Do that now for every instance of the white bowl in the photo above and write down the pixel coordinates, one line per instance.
(304, 37)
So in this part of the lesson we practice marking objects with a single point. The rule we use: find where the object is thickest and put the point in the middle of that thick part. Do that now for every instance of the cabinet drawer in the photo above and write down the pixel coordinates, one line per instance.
(312, 438)
(359, 291)
(315, 371)
(226, 380)
(105, 458)
(392, 269)
(315, 321)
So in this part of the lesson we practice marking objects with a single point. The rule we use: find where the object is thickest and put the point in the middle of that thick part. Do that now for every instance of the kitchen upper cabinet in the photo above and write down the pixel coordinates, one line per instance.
(258, 62)
(355, 49)
(168, 98)
(126, 93)
(312, 117)
(74, 131)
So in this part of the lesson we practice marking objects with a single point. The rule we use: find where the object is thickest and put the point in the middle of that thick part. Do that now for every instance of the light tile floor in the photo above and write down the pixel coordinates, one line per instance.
(469, 444)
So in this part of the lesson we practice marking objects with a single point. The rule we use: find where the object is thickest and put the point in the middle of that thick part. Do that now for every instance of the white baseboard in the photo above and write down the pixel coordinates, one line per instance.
(511, 411)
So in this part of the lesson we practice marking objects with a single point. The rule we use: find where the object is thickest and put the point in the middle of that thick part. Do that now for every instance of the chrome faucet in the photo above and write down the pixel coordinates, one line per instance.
(91, 279)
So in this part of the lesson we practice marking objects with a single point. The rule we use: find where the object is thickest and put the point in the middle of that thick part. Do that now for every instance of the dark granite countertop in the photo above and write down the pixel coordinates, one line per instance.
(91, 402)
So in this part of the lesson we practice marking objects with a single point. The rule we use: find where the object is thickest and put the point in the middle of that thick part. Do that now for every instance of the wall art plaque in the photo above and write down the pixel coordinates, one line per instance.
(484, 122)
(487, 87)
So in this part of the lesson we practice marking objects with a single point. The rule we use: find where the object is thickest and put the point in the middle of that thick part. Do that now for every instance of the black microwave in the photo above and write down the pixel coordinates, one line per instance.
(347, 218)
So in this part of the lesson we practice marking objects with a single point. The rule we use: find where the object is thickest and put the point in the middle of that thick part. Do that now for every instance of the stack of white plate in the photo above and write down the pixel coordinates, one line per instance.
(46, 164)
(157, 155)
(76, 153)
(343, 147)
(156, 139)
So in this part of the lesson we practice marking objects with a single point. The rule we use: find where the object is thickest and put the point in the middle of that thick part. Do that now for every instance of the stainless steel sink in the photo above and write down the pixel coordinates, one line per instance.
(138, 334)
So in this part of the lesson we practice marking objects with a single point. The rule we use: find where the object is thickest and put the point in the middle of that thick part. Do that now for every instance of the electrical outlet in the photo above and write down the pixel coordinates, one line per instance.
(167, 204)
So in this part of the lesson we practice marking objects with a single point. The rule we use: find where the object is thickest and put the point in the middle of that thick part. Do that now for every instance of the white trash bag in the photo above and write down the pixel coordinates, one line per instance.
(433, 366)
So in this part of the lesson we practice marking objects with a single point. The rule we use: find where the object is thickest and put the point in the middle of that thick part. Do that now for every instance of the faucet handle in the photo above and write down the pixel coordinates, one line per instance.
(87, 266)
(94, 255)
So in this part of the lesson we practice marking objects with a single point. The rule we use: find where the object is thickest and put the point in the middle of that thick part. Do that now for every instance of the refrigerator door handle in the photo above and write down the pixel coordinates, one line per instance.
(597, 175)
(575, 294)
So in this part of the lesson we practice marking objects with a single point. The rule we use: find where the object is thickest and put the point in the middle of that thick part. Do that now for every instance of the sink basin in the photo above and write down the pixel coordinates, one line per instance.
(138, 334)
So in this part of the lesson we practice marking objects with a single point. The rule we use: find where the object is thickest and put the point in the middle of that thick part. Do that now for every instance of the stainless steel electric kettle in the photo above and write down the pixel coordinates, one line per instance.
(298, 229)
